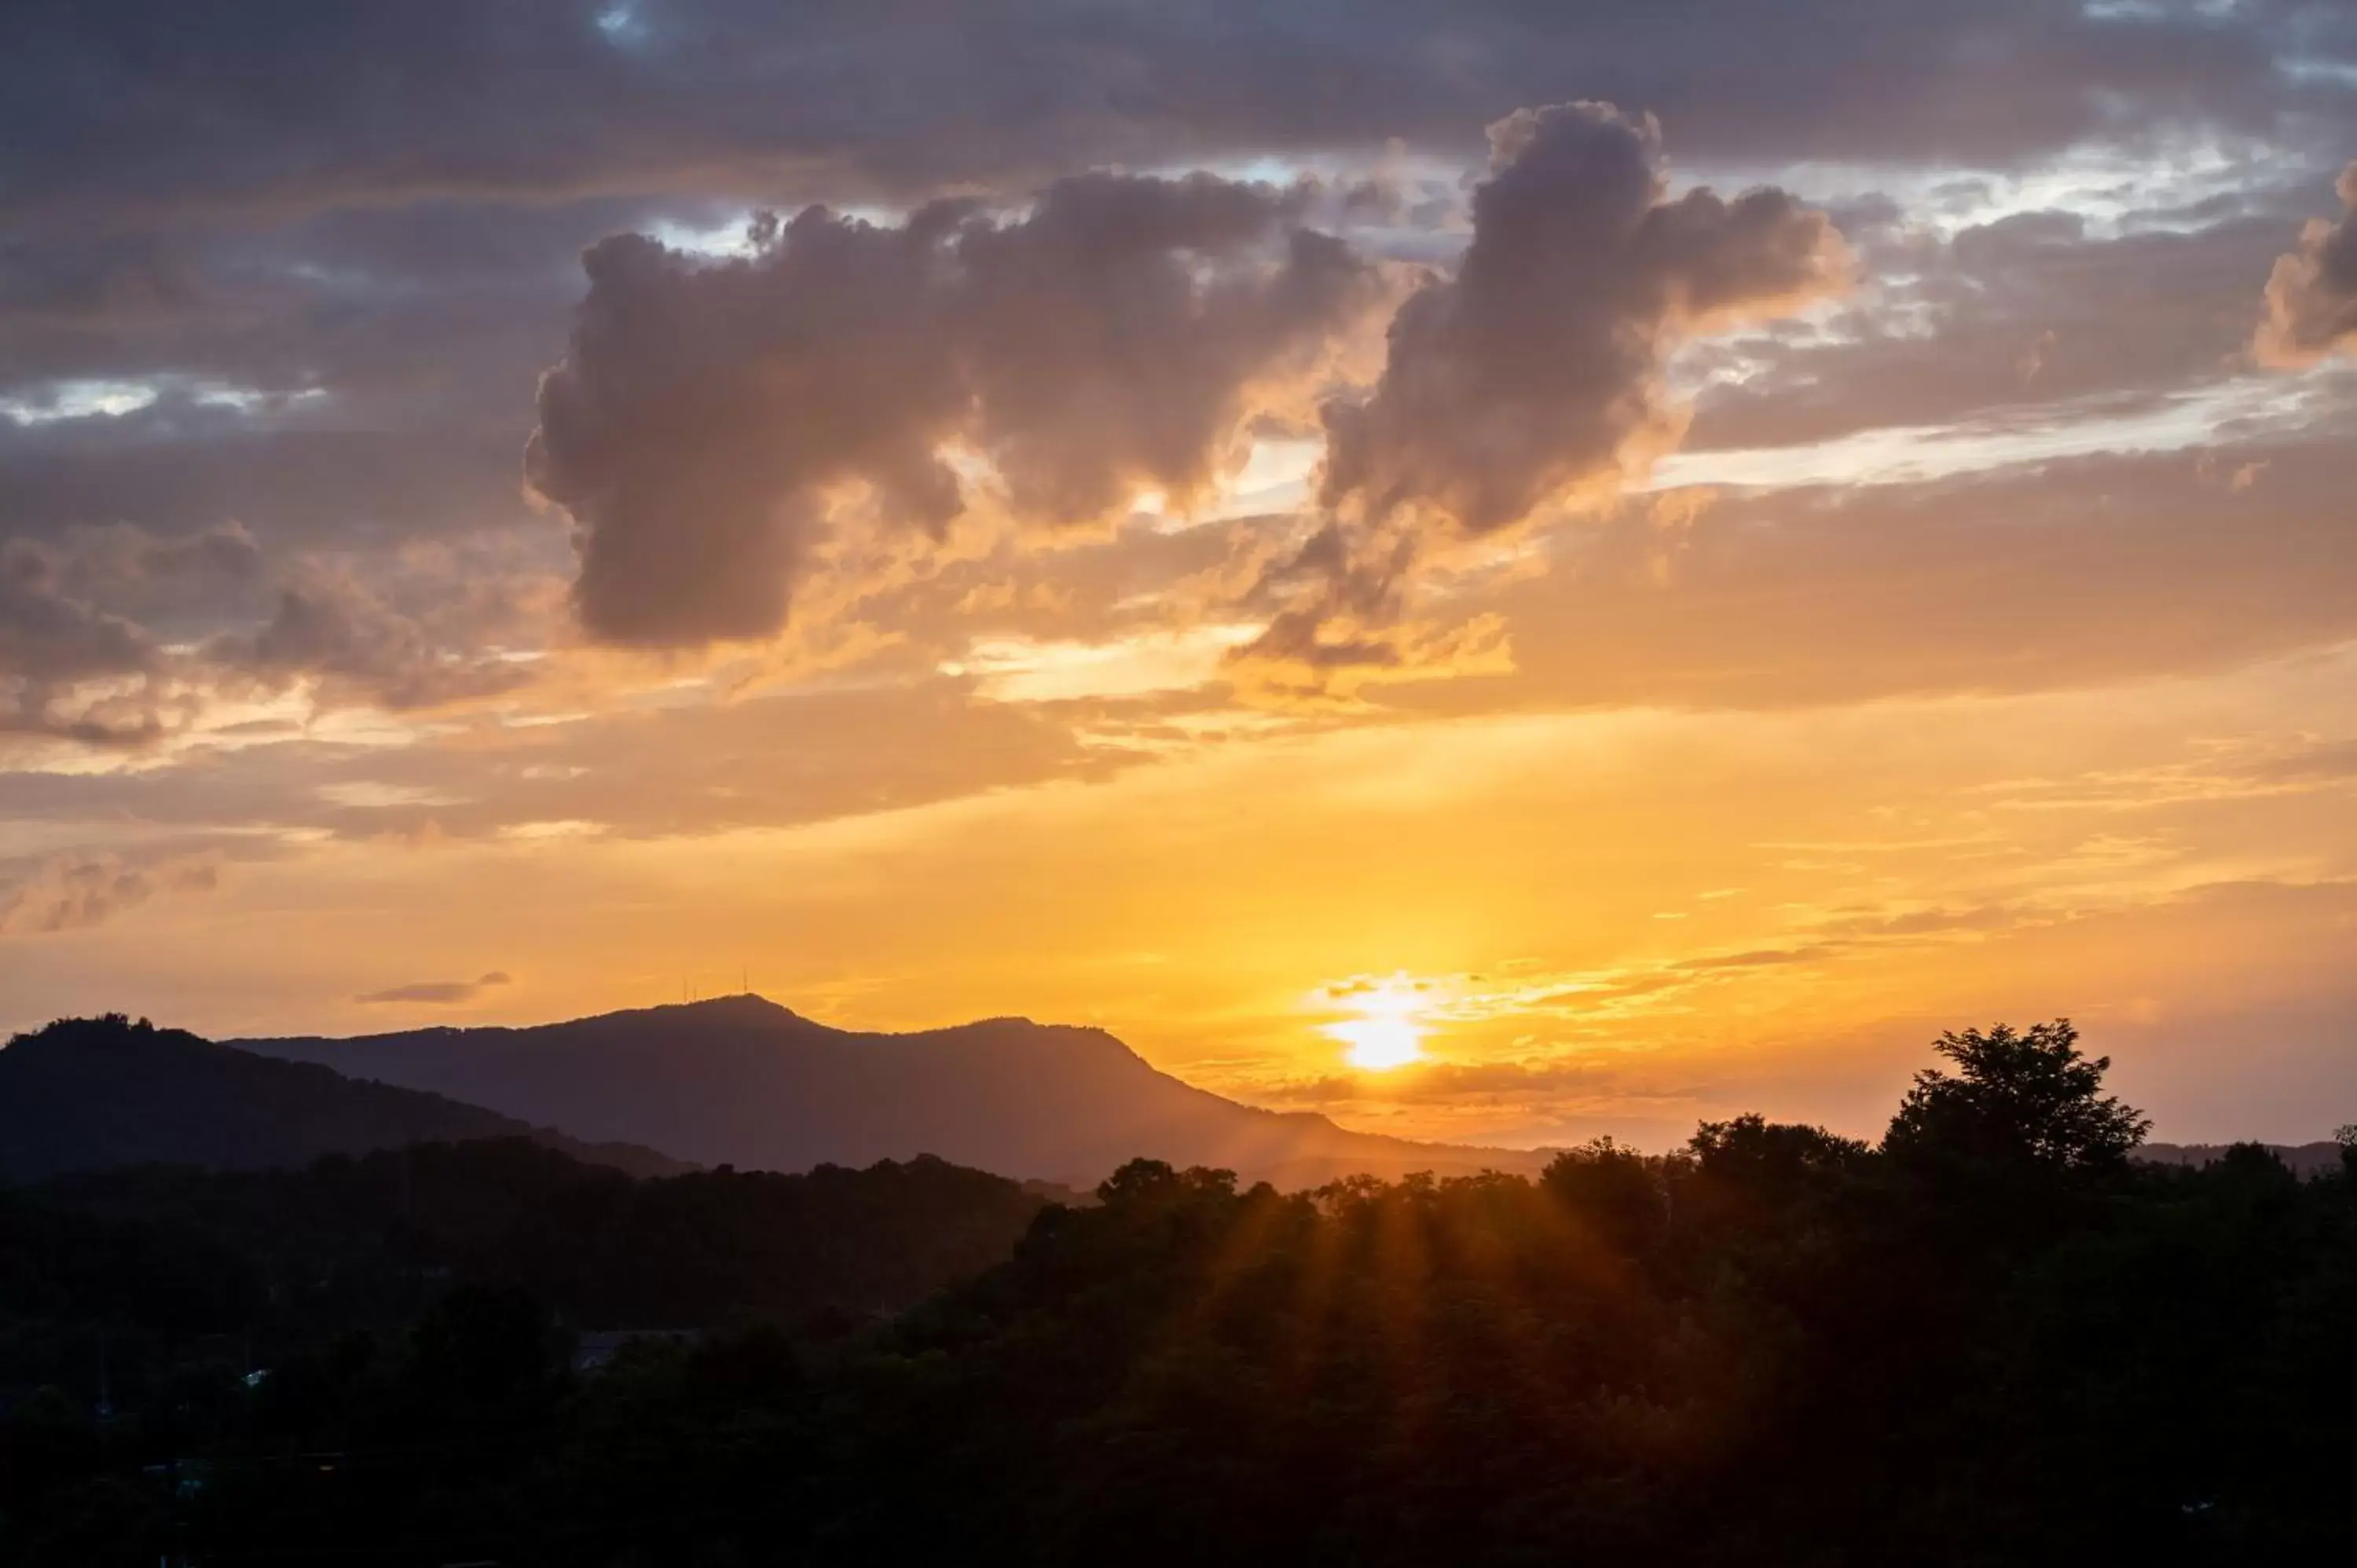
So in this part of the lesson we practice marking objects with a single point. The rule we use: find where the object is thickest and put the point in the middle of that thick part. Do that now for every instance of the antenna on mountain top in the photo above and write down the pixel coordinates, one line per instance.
(746, 988)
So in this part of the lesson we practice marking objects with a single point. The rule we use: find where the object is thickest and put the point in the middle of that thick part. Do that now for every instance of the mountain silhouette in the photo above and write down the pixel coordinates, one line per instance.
(89, 1093)
(2303, 1159)
(741, 1080)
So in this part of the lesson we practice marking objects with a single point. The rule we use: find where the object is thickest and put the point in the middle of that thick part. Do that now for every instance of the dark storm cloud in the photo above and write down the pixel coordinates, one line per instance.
(1102, 344)
(110, 107)
(2311, 300)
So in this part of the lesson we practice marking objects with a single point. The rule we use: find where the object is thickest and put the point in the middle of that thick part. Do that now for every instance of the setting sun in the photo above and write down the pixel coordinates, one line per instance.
(1387, 1034)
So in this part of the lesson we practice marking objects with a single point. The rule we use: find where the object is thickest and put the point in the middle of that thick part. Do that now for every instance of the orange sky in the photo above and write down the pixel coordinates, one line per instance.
(1656, 650)
(1626, 918)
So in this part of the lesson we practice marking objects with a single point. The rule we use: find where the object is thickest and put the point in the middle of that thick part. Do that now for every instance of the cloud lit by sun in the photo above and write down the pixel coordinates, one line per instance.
(1388, 1032)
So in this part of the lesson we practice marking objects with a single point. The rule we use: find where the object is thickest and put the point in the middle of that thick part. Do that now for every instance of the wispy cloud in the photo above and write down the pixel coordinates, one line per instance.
(438, 993)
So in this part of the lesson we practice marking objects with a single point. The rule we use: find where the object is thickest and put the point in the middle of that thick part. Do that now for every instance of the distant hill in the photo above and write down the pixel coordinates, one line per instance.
(741, 1080)
(89, 1093)
(2308, 1159)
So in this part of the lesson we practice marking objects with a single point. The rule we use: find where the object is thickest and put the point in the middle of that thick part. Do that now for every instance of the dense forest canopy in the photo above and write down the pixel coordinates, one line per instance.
(1993, 1338)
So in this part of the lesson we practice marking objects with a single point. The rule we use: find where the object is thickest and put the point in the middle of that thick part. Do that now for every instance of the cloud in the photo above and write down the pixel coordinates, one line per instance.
(124, 558)
(70, 669)
(71, 892)
(1535, 372)
(708, 417)
(2075, 571)
(2312, 761)
(1536, 369)
(113, 109)
(330, 625)
(108, 634)
(1941, 332)
(2311, 302)
(437, 992)
(1758, 958)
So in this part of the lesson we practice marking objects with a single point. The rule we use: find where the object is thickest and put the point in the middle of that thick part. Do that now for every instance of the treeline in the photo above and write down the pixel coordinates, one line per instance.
(366, 1241)
(1989, 1340)
(195, 1320)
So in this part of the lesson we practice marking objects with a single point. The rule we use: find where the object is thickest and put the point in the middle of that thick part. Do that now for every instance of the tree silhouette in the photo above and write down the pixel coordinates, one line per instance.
(2015, 1097)
(1995, 1340)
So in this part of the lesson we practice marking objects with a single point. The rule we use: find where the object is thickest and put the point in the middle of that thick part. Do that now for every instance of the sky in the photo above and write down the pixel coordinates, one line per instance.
(1501, 572)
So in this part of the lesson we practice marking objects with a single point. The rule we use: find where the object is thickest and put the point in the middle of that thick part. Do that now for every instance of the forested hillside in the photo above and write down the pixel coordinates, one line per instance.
(1991, 1338)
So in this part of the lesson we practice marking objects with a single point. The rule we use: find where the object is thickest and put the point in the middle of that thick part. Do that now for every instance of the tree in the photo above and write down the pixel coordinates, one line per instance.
(1616, 1189)
(1776, 1160)
(2026, 1097)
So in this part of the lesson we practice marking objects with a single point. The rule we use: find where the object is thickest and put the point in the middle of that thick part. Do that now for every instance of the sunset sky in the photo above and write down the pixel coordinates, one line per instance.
(1641, 560)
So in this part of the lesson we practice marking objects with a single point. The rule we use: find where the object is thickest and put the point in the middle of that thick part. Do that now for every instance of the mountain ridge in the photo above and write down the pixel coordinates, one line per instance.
(2304, 1159)
(747, 1081)
(90, 1094)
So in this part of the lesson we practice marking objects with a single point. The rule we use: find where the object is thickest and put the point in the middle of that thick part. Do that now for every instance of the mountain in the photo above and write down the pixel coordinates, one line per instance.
(740, 1080)
(2308, 1159)
(87, 1093)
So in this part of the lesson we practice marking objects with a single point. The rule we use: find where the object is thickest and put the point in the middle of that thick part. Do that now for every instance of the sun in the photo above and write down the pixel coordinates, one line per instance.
(1379, 1045)
(1387, 1034)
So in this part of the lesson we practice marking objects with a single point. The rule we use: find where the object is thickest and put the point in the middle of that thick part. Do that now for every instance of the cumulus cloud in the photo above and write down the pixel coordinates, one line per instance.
(438, 993)
(1537, 368)
(708, 416)
(1535, 372)
(1121, 336)
(2311, 304)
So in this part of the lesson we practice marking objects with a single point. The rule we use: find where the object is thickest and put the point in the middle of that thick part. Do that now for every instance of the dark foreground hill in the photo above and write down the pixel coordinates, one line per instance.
(86, 1093)
(742, 1081)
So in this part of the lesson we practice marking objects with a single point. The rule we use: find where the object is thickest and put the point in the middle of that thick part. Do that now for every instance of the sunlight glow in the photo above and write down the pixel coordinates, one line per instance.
(1387, 1033)
(1029, 670)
